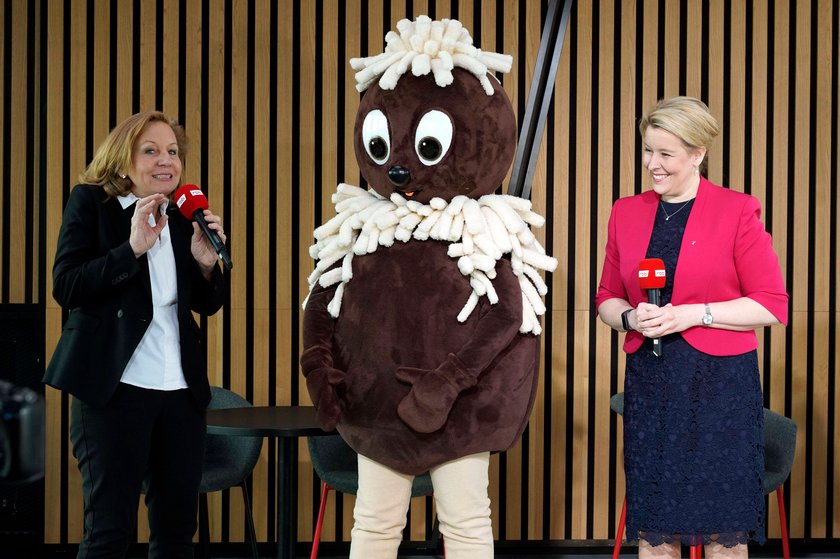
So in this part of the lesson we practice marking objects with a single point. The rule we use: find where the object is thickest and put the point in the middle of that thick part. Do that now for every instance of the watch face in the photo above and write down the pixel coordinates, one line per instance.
(707, 319)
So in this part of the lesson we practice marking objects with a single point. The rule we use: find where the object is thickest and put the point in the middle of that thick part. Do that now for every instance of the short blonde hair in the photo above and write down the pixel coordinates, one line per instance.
(113, 156)
(688, 119)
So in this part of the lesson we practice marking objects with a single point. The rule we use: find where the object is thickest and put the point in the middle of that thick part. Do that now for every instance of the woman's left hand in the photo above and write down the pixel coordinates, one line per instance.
(202, 249)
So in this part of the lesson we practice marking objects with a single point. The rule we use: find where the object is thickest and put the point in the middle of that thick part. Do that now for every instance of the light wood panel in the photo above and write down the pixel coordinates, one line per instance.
(268, 100)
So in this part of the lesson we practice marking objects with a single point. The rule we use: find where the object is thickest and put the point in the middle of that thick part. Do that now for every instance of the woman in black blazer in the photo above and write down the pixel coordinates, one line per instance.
(130, 270)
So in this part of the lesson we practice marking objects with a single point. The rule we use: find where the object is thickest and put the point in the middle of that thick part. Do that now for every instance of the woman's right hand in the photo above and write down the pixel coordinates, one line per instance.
(143, 234)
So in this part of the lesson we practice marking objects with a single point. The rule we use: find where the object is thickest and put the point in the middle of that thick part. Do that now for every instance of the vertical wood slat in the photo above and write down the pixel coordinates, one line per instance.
(263, 213)
(776, 144)
(15, 205)
(821, 259)
(799, 220)
(607, 92)
(53, 466)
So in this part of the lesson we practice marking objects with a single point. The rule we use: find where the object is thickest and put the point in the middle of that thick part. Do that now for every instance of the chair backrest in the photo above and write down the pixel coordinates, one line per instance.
(228, 459)
(337, 466)
(335, 462)
(779, 449)
(617, 403)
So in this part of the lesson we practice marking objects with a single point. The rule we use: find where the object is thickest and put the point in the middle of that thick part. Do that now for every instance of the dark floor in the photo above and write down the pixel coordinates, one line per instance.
(800, 549)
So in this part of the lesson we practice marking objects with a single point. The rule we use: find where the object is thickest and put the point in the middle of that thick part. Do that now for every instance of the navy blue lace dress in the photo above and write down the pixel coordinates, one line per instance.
(693, 431)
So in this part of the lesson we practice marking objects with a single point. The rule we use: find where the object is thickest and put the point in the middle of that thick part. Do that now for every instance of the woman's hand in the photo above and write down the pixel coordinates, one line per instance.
(202, 249)
(655, 322)
(144, 235)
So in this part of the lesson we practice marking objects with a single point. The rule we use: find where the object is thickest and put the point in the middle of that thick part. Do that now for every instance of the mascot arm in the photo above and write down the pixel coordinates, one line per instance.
(426, 407)
(325, 383)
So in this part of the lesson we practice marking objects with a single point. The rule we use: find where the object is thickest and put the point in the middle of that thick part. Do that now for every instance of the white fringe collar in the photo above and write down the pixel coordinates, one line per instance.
(480, 233)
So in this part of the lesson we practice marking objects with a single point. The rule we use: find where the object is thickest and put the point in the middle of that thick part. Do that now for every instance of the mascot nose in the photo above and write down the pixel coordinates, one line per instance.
(399, 176)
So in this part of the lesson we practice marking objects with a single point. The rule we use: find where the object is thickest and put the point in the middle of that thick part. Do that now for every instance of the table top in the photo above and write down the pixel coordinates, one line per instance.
(265, 421)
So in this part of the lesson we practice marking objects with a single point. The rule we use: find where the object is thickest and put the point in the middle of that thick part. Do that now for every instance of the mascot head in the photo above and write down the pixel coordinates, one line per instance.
(444, 129)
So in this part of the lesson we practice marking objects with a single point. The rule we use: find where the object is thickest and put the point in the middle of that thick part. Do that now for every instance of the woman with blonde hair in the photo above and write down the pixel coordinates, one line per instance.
(130, 272)
(693, 415)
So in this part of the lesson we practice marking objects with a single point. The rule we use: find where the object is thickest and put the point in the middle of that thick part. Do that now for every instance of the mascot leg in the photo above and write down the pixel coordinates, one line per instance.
(381, 507)
(463, 506)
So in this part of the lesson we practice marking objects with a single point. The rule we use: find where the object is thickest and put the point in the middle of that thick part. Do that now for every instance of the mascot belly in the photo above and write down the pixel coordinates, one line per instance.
(400, 311)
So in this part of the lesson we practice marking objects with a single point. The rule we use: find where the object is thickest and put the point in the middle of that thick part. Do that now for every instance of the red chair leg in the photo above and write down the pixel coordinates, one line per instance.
(783, 523)
(696, 552)
(316, 538)
(619, 533)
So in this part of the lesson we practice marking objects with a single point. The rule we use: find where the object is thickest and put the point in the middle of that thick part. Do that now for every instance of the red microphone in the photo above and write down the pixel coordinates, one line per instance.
(652, 278)
(192, 202)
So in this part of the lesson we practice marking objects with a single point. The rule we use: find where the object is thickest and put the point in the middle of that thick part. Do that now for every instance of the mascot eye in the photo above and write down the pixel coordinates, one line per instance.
(375, 136)
(378, 148)
(429, 148)
(433, 137)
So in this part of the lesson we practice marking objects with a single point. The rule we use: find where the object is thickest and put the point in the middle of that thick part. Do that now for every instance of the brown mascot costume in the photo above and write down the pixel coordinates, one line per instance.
(421, 327)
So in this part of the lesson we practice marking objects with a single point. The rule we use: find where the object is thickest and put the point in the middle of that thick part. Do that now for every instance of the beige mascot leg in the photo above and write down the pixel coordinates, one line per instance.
(381, 506)
(463, 506)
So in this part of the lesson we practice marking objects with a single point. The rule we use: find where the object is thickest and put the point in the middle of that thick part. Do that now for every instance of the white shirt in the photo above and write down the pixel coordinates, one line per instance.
(156, 363)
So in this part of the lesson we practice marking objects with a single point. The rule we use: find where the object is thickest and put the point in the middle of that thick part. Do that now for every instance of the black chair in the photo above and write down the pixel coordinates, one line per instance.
(337, 467)
(228, 462)
(779, 450)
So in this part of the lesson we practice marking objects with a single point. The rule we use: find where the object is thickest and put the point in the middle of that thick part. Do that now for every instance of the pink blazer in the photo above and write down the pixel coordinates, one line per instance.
(725, 254)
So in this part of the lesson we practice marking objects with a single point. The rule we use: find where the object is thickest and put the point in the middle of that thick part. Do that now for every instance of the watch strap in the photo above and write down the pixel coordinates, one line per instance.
(625, 322)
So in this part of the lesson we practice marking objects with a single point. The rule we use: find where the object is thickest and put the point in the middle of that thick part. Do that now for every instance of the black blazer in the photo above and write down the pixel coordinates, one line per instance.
(107, 291)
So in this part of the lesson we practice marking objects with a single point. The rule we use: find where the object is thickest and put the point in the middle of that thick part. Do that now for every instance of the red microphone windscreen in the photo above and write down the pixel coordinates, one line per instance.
(652, 273)
(189, 198)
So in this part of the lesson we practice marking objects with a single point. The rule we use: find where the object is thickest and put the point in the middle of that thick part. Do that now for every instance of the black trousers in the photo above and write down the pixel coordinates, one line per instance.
(140, 434)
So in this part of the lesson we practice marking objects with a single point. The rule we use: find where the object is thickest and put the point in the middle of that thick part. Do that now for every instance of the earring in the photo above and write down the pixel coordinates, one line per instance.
(122, 176)
(696, 170)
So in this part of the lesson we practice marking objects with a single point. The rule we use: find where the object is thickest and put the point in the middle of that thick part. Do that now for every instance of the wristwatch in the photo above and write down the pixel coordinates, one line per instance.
(707, 318)
(625, 322)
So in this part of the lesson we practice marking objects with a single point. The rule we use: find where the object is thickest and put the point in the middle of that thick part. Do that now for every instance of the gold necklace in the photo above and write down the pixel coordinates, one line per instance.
(669, 216)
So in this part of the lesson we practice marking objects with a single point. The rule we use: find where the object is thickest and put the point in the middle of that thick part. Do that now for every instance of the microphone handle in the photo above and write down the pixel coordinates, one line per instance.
(653, 299)
(217, 243)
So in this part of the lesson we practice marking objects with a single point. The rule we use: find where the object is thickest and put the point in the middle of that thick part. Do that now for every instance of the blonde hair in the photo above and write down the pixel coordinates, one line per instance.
(688, 119)
(113, 157)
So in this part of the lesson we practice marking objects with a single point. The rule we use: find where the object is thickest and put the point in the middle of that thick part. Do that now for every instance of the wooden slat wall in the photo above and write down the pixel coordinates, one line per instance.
(266, 94)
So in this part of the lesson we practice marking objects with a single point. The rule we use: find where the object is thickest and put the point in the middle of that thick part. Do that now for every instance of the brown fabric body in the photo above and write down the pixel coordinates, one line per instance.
(400, 311)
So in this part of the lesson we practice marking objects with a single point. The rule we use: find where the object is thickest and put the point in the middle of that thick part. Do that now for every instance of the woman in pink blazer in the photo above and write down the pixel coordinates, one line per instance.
(693, 416)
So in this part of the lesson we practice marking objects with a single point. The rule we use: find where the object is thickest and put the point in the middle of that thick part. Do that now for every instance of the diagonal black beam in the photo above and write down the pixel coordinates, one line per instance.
(539, 97)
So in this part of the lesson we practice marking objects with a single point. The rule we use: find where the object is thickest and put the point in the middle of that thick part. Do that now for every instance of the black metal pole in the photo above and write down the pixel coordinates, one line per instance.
(539, 97)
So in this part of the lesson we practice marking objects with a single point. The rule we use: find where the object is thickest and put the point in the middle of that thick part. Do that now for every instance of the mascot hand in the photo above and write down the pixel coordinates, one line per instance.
(325, 385)
(433, 393)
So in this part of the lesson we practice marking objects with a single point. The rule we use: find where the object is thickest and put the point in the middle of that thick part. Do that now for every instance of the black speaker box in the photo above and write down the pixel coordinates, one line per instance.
(22, 364)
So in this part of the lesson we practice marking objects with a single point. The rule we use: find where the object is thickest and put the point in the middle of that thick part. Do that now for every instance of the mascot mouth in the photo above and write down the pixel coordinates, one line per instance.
(408, 193)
